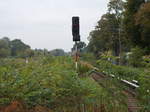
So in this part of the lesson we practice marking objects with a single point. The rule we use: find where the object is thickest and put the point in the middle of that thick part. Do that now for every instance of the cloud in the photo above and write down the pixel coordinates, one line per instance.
(47, 23)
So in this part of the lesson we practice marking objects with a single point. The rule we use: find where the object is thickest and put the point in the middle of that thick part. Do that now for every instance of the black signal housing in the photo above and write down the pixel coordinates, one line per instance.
(76, 28)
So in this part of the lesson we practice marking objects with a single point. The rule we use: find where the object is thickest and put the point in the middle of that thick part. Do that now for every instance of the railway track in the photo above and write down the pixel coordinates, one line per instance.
(132, 101)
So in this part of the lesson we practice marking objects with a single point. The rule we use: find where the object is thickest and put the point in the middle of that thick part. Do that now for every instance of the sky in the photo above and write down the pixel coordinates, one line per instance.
(47, 23)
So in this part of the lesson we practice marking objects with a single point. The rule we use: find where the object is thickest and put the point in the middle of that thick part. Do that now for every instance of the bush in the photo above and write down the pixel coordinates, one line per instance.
(50, 82)
(130, 73)
(135, 58)
(89, 57)
(120, 71)
(84, 68)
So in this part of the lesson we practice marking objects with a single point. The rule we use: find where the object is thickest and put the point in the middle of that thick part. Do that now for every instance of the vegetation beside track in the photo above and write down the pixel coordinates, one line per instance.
(54, 83)
(51, 82)
(142, 75)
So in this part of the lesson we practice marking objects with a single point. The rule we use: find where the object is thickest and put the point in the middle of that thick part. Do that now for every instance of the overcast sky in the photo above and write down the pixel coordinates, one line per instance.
(47, 23)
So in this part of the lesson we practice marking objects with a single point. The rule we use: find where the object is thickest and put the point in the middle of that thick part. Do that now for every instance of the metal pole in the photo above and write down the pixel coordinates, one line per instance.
(76, 57)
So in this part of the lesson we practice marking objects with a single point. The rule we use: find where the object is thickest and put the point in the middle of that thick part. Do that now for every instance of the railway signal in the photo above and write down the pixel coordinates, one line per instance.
(76, 36)
(76, 28)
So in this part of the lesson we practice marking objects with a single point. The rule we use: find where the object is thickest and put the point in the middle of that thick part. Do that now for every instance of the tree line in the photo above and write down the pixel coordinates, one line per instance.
(17, 48)
(14, 48)
(126, 25)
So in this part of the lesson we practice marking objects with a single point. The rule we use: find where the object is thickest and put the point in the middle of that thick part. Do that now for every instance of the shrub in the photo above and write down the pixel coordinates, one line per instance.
(135, 58)
(84, 68)
(120, 71)
(51, 82)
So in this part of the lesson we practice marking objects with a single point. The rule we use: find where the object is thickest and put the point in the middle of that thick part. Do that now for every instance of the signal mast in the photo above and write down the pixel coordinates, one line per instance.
(76, 36)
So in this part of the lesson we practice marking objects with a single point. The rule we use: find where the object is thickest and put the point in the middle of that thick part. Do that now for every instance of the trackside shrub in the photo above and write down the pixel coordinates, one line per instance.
(136, 57)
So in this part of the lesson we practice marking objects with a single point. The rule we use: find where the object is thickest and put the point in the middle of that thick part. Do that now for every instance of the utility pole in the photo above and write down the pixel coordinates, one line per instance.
(76, 36)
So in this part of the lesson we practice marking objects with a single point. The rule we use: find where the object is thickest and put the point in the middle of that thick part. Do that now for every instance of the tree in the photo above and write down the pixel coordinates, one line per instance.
(57, 52)
(26, 53)
(18, 47)
(4, 47)
(135, 58)
(116, 7)
(105, 35)
(142, 20)
(80, 45)
(133, 30)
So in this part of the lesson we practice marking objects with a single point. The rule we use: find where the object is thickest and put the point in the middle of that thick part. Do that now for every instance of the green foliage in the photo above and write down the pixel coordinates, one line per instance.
(119, 71)
(109, 34)
(144, 90)
(18, 47)
(46, 81)
(142, 20)
(136, 23)
(4, 101)
(4, 52)
(14, 48)
(125, 25)
(84, 68)
(130, 73)
(52, 82)
(116, 7)
(105, 35)
(4, 47)
(80, 45)
(108, 56)
(136, 57)
(57, 52)
(147, 61)
(88, 57)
